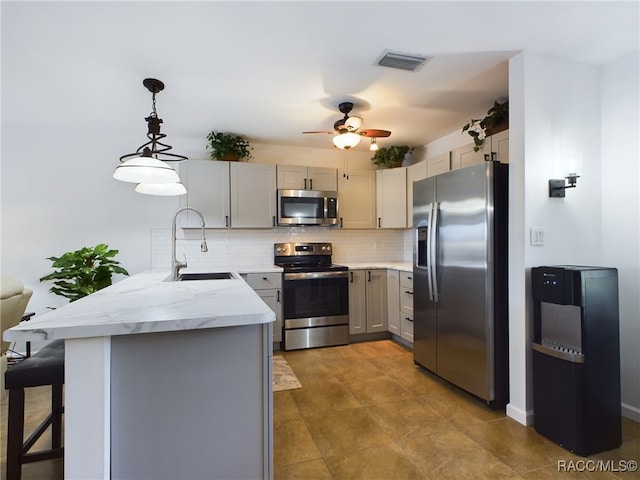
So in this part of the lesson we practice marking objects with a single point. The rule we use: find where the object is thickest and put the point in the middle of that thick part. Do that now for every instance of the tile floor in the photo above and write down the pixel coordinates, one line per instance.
(365, 411)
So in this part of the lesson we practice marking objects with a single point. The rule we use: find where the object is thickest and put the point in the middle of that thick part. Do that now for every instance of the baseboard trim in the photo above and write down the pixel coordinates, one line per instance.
(631, 412)
(523, 417)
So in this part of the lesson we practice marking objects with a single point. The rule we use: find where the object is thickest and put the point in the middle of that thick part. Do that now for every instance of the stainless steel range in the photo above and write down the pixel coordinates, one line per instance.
(315, 296)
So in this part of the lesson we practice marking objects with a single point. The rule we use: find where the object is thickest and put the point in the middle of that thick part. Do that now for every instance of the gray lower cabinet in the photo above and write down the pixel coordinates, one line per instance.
(367, 301)
(393, 302)
(192, 404)
(406, 306)
(268, 286)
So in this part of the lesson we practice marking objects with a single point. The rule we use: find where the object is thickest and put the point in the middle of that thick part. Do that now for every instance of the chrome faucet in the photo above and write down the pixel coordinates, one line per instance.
(176, 264)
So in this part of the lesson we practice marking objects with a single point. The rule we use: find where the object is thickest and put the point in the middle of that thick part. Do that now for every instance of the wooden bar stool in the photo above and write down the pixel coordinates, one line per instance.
(46, 367)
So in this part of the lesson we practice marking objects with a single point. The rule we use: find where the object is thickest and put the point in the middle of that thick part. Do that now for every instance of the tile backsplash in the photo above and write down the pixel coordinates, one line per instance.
(254, 247)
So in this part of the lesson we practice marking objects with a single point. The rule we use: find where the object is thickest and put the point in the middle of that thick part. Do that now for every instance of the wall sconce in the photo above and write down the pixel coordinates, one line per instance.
(557, 187)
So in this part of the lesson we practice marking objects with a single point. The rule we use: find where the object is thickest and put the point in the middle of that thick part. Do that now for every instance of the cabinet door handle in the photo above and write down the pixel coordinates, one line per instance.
(486, 157)
(311, 184)
(351, 274)
(379, 224)
(494, 156)
(264, 278)
(226, 220)
(305, 183)
(408, 319)
(408, 292)
(278, 296)
(341, 226)
(369, 273)
(273, 219)
(409, 278)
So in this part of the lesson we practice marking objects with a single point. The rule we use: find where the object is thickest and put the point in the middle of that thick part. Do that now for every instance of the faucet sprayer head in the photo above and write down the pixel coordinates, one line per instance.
(203, 246)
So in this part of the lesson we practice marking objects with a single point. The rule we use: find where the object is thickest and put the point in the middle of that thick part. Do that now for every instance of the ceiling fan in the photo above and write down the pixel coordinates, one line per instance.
(347, 130)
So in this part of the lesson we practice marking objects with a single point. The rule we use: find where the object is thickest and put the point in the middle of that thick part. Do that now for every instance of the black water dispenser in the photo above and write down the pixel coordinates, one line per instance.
(576, 357)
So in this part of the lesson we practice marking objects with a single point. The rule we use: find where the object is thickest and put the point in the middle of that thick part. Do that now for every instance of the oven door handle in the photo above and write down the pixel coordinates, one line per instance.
(315, 275)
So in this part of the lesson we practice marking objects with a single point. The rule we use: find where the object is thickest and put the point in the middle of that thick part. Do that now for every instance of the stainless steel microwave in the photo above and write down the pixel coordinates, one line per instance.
(307, 207)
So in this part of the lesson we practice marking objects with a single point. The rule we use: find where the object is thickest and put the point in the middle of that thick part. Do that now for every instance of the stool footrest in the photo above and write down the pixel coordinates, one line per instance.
(46, 455)
(37, 433)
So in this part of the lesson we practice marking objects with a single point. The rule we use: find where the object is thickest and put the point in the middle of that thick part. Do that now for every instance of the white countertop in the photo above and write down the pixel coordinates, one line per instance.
(402, 266)
(145, 303)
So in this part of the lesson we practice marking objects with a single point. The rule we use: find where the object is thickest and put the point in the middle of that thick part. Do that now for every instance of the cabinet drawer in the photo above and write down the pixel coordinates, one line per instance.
(406, 301)
(407, 327)
(259, 281)
(406, 280)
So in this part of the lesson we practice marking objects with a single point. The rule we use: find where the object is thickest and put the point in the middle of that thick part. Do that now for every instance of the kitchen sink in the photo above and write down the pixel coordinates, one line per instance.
(183, 277)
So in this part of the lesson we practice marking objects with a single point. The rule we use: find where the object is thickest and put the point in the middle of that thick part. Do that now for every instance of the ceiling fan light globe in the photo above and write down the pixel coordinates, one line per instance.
(346, 140)
(353, 123)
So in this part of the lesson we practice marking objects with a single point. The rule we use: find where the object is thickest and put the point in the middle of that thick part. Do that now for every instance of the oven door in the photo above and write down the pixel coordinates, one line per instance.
(314, 299)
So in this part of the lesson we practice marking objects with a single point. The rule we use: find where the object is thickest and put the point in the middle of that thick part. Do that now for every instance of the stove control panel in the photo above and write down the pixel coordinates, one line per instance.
(293, 249)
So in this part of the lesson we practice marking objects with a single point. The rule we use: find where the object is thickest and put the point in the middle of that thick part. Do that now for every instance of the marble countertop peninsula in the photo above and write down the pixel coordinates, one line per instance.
(145, 303)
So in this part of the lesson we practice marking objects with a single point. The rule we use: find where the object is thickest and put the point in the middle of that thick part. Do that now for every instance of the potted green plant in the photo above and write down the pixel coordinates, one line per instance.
(497, 119)
(392, 156)
(83, 271)
(227, 146)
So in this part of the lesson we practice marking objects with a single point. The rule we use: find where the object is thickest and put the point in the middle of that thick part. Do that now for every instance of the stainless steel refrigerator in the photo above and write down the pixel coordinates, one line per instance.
(460, 278)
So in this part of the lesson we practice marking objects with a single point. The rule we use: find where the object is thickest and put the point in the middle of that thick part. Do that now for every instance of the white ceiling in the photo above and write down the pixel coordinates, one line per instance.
(270, 70)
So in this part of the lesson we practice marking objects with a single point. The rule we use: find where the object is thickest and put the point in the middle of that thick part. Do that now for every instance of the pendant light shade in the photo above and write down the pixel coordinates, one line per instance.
(146, 166)
(146, 170)
(166, 189)
(346, 140)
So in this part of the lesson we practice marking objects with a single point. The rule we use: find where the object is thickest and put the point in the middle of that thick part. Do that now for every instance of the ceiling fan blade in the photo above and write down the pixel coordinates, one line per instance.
(321, 131)
(374, 132)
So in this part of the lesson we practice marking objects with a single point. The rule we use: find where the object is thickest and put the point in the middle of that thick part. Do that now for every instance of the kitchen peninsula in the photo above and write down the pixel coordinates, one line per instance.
(164, 379)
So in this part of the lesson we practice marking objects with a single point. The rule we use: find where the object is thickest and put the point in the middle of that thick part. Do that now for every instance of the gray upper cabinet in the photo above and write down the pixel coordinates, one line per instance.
(357, 199)
(391, 197)
(494, 147)
(293, 177)
(207, 183)
(497, 147)
(230, 194)
(253, 195)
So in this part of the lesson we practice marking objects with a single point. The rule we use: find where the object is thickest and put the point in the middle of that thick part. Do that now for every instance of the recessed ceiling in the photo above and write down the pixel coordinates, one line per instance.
(270, 70)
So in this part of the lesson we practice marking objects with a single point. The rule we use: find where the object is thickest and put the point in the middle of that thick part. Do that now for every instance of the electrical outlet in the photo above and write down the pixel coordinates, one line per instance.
(537, 236)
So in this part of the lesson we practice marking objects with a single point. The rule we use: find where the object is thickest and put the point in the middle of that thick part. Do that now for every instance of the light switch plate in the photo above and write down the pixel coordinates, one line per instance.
(537, 236)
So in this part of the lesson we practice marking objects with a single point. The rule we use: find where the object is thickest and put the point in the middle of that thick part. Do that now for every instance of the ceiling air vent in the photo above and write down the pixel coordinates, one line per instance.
(403, 61)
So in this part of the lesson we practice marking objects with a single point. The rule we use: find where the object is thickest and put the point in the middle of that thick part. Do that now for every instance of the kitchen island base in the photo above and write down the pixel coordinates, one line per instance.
(186, 404)
(207, 391)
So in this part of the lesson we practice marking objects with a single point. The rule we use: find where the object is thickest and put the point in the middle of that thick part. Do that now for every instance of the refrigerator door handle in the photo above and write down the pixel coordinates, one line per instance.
(433, 251)
(422, 249)
(428, 255)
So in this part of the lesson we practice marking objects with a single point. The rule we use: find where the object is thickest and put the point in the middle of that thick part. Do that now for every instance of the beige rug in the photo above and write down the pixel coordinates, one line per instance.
(283, 376)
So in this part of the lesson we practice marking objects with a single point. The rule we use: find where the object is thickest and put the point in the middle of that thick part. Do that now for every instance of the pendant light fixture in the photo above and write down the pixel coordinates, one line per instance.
(146, 166)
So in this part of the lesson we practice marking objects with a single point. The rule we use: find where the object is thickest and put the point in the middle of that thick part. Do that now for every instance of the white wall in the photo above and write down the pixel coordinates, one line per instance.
(621, 211)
